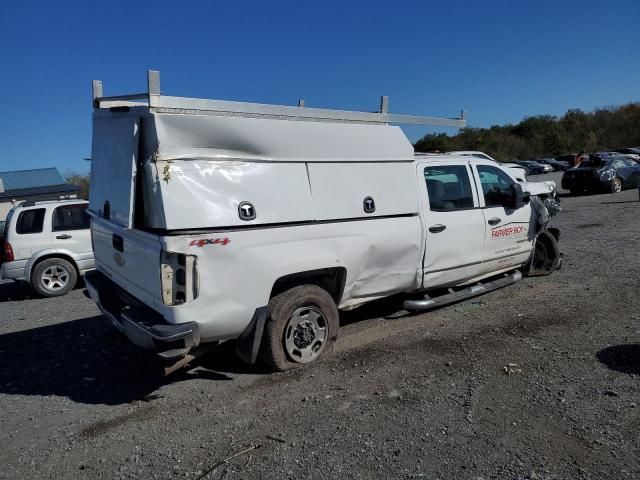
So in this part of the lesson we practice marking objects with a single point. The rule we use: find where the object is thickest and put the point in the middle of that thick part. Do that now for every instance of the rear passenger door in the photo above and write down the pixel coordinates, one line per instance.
(509, 232)
(70, 226)
(31, 235)
(453, 222)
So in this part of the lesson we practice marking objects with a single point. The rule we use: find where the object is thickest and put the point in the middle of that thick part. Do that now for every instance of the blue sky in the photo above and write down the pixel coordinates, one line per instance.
(500, 60)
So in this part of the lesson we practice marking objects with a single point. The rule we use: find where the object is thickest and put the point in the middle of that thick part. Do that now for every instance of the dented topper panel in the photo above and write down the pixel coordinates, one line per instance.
(207, 136)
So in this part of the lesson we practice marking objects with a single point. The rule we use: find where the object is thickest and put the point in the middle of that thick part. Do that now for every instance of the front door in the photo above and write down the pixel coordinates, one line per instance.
(509, 232)
(454, 224)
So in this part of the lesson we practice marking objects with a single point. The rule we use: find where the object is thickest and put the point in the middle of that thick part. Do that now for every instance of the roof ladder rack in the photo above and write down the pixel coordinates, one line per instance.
(156, 102)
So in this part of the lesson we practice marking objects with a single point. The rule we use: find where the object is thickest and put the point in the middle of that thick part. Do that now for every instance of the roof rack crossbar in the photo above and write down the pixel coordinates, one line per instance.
(183, 105)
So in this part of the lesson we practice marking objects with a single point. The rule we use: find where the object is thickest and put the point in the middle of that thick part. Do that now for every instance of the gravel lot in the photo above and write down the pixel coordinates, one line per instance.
(404, 396)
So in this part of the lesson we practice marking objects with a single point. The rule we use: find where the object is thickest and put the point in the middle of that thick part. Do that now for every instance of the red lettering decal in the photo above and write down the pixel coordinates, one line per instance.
(209, 241)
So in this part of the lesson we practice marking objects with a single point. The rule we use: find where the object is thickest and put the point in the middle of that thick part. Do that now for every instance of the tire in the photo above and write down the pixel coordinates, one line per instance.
(53, 277)
(616, 185)
(546, 256)
(302, 328)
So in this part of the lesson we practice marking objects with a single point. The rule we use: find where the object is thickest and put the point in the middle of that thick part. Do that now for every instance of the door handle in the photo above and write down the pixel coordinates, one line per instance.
(437, 228)
(63, 237)
(494, 221)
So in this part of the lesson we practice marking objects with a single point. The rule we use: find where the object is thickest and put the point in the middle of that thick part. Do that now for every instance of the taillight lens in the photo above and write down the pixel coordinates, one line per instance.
(179, 278)
(8, 252)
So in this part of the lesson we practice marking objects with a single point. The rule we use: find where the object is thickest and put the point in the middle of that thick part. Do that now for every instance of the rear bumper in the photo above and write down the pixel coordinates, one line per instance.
(143, 326)
(13, 270)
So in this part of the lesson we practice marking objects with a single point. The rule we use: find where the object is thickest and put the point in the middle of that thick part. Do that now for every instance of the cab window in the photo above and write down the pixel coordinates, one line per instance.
(30, 221)
(449, 188)
(495, 184)
(70, 217)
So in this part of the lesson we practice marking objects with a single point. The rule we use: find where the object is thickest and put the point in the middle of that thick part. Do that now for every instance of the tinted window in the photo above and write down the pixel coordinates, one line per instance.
(495, 184)
(593, 162)
(618, 163)
(70, 217)
(448, 187)
(30, 221)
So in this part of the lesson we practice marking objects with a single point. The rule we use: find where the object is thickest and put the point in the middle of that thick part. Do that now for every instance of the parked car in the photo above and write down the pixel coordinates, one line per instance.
(631, 152)
(295, 219)
(519, 172)
(556, 164)
(567, 158)
(534, 167)
(47, 244)
(608, 172)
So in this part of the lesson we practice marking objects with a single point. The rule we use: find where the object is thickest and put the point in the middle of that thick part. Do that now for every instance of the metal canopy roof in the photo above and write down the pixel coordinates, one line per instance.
(23, 179)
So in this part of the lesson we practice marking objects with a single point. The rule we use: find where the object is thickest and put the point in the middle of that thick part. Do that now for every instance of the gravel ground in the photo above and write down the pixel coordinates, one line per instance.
(539, 380)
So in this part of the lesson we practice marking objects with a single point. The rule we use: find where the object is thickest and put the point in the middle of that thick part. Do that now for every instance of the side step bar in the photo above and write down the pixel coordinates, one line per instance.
(469, 292)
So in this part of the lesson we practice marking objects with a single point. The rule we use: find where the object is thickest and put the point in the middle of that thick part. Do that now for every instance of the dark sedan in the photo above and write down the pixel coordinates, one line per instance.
(602, 172)
(535, 168)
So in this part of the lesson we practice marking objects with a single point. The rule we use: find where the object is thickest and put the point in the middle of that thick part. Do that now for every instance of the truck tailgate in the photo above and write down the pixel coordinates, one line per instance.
(131, 258)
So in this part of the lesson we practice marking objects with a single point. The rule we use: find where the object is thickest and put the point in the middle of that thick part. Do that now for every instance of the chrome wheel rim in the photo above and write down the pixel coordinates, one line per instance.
(617, 185)
(55, 278)
(305, 334)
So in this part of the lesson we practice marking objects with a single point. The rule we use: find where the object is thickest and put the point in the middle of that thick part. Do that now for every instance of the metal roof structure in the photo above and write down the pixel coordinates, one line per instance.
(40, 181)
(21, 179)
(159, 103)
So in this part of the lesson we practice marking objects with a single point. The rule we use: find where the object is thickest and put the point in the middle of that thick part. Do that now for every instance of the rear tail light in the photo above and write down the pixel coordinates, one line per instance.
(8, 252)
(179, 278)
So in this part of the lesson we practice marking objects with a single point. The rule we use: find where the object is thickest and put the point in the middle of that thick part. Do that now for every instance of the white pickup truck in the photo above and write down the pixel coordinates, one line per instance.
(216, 221)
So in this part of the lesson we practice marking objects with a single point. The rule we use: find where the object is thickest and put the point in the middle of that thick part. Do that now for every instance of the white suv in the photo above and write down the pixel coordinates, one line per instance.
(47, 244)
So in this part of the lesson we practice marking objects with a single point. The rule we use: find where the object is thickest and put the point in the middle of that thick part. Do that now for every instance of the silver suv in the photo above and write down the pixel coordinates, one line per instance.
(47, 244)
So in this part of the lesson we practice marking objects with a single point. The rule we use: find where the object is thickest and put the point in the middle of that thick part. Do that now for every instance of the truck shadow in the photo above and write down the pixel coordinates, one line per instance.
(15, 291)
(87, 361)
(387, 308)
(621, 358)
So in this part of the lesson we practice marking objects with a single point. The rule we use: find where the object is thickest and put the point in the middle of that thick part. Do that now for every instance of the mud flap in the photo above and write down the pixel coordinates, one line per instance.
(248, 344)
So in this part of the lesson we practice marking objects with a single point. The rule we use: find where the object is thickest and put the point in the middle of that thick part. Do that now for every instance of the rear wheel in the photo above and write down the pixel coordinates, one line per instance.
(616, 185)
(53, 277)
(302, 328)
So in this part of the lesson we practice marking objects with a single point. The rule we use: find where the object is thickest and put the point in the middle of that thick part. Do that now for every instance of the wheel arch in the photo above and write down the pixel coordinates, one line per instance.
(51, 254)
(331, 279)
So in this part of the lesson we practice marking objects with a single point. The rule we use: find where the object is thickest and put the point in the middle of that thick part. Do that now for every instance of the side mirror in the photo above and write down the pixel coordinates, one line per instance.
(517, 197)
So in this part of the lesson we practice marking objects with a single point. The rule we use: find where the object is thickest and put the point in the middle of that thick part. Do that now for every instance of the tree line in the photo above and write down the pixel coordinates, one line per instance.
(546, 135)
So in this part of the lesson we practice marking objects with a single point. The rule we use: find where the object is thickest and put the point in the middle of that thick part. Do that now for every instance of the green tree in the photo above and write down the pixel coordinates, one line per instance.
(80, 180)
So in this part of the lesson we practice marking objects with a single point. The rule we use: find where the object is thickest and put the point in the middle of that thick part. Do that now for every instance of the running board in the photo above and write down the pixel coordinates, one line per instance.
(469, 292)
